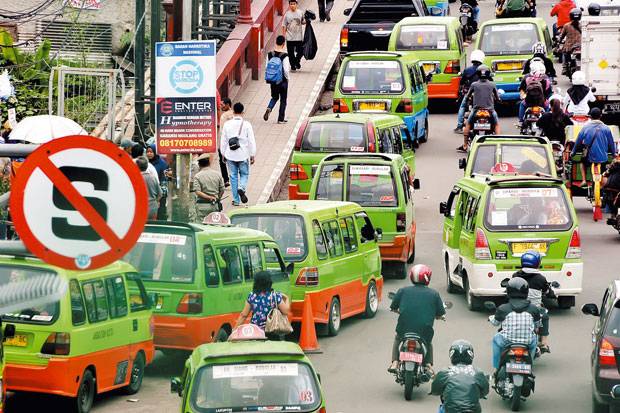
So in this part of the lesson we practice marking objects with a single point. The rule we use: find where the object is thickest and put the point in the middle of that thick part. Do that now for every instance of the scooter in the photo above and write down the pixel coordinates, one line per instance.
(412, 351)
(532, 115)
(468, 25)
(482, 124)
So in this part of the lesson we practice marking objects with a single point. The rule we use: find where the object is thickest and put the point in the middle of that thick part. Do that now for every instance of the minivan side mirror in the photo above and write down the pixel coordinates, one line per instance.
(378, 234)
(590, 309)
(615, 392)
(368, 233)
(416, 183)
(346, 12)
(504, 282)
(9, 331)
(462, 163)
(443, 208)
(175, 386)
(428, 78)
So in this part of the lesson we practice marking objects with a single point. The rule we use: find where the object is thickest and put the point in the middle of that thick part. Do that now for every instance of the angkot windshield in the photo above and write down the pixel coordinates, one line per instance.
(423, 37)
(508, 39)
(334, 137)
(44, 314)
(372, 77)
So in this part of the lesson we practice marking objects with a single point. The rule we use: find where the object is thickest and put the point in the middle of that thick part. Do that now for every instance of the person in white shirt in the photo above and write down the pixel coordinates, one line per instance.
(578, 96)
(239, 148)
(279, 91)
(137, 150)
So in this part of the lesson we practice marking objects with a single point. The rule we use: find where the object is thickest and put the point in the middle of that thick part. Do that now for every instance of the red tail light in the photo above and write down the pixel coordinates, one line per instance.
(344, 38)
(340, 106)
(405, 106)
(191, 303)
(453, 67)
(482, 251)
(536, 110)
(322, 410)
(411, 345)
(574, 248)
(482, 113)
(518, 352)
(297, 172)
(308, 276)
(401, 222)
(606, 355)
(58, 344)
(370, 129)
(300, 135)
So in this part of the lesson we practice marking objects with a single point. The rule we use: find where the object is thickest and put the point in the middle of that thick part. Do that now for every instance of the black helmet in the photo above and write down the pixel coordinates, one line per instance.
(517, 288)
(575, 14)
(461, 352)
(594, 9)
(484, 72)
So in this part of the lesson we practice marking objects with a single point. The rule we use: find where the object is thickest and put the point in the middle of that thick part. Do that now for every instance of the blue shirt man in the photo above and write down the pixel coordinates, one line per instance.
(597, 137)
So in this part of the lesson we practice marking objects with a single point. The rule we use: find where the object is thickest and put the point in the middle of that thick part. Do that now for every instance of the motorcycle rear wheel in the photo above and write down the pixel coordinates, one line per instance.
(408, 385)
(515, 400)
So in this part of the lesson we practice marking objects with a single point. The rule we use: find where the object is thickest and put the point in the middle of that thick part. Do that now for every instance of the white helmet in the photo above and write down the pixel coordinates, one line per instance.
(537, 68)
(579, 78)
(477, 56)
(539, 48)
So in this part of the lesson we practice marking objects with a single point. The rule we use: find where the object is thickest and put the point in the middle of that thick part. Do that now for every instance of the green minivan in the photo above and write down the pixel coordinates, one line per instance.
(438, 43)
(384, 82)
(319, 136)
(490, 221)
(382, 185)
(199, 276)
(249, 374)
(507, 44)
(333, 246)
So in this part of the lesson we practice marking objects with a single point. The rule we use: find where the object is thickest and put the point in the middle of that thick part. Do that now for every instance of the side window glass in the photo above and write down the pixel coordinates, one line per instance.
(330, 183)
(334, 242)
(78, 314)
(463, 204)
(397, 140)
(252, 261)
(96, 301)
(347, 227)
(406, 137)
(230, 264)
(212, 278)
(275, 263)
(459, 39)
(138, 300)
(117, 298)
(319, 240)
(470, 214)
(404, 177)
(364, 226)
(414, 79)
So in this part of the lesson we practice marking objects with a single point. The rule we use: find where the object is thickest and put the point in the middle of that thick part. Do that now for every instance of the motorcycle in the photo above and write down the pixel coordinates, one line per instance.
(412, 349)
(532, 114)
(574, 63)
(482, 124)
(468, 25)
(558, 156)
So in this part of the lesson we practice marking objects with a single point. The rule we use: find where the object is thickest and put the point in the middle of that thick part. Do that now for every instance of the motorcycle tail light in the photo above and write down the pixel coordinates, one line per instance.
(411, 345)
(536, 110)
(518, 352)
(483, 113)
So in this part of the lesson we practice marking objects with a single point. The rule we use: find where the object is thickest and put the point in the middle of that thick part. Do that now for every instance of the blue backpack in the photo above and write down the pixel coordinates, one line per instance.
(274, 72)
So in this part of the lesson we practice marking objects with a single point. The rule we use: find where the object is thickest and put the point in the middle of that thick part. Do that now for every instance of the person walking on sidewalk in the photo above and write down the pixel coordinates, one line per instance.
(152, 186)
(208, 186)
(239, 148)
(325, 8)
(227, 114)
(292, 30)
(278, 61)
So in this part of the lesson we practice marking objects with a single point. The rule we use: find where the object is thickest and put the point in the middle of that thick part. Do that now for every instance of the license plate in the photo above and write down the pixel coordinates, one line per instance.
(521, 247)
(482, 126)
(372, 106)
(429, 68)
(612, 107)
(509, 66)
(18, 340)
(409, 356)
(518, 368)
(532, 118)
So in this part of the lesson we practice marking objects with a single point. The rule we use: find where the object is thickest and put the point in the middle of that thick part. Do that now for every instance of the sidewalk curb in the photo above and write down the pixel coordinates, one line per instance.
(274, 184)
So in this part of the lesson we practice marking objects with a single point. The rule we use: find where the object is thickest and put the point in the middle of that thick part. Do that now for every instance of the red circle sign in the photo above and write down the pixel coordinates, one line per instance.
(79, 202)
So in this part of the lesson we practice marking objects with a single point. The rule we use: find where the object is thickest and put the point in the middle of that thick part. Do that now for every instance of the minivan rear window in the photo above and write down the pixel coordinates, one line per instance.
(334, 137)
(508, 39)
(423, 37)
(43, 314)
(372, 186)
(164, 255)
(372, 76)
(288, 231)
(526, 159)
(527, 209)
(373, 11)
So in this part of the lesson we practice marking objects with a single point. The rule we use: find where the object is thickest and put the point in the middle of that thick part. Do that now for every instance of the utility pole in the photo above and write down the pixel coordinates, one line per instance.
(138, 52)
(155, 37)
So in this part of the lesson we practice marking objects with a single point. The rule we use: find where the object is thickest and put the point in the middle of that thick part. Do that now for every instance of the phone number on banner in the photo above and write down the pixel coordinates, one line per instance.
(179, 143)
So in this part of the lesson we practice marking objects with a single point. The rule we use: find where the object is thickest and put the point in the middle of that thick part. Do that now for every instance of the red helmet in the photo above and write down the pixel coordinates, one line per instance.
(420, 274)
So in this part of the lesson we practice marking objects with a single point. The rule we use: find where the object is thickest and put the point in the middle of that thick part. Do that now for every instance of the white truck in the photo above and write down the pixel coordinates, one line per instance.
(600, 61)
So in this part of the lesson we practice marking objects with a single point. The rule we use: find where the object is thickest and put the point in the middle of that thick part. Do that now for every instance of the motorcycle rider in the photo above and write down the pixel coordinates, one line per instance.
(611, 187)
(538, 288)
(571, 36)
(418, 307)
(469, 76)
(535, 88)
(475, 8)
(562, 12)
(484, 95)
(518, 319)
(539, 51)
(578, 95)
(553, 123)
(461, 386)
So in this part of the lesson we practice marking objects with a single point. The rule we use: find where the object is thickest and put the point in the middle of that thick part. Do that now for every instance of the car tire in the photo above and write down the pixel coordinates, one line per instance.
(451, 287)
(333, 324)
(598, 407)
(136, 375)
(85, 397)
(473, 302)
(424, 137)
(400, 270)
(372, 300)
(566, 302)
(411, 257)
(221, 336)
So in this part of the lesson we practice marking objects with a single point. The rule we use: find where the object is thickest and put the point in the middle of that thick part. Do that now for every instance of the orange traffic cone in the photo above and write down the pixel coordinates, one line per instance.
(307, 337)
(598, 213)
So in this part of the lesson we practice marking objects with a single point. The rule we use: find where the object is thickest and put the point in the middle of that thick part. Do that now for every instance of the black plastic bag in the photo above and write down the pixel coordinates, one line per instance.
(309, 15)
(310, 44)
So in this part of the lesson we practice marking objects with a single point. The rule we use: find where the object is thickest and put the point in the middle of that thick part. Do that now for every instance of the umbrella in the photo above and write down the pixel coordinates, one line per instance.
(44, 128)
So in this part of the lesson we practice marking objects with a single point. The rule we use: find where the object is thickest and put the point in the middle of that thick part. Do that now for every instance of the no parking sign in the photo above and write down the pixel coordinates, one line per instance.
(79, 202)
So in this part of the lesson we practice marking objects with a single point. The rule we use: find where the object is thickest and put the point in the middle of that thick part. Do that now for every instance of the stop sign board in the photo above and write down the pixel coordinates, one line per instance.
(79, 202)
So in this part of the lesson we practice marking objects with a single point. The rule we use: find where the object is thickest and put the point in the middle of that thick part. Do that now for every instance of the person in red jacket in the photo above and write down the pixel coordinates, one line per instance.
(562, 10)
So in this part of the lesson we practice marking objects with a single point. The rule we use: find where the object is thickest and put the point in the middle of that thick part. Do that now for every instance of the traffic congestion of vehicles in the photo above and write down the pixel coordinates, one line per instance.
(348, 247)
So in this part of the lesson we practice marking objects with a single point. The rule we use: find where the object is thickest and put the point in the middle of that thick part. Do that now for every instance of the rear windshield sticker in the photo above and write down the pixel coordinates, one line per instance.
(155, 238)
(369, 170)
(423, 28)
(511, 27)
(396, 86)
(535, 157)
(306, 397)
(499, 218)
(348, 81)
(525, 193)
(357, 149)
(254, 370)
(387, 198)
(42, 318)
(374, 64)
(442, 44)
(293, 251)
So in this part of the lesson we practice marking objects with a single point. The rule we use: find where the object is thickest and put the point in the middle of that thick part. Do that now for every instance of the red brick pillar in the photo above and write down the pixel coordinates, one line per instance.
(245, 12)
(255, 50)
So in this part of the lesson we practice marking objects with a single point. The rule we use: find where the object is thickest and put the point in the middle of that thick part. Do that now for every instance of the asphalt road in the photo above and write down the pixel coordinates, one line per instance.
(353, 364)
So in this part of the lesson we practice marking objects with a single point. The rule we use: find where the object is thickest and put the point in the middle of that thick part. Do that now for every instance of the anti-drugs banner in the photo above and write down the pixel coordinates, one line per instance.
(185, 96)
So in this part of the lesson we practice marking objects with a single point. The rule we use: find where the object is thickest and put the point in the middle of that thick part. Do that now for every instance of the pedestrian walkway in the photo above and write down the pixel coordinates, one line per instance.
(275, 141)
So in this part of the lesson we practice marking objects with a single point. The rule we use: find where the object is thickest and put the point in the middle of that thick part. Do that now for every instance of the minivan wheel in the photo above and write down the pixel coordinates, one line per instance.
(599, 407)
(473, 302)
(372, 300)
(424, 137)
(333, 324)
(400, 270)
(137, 374)
(86, 393)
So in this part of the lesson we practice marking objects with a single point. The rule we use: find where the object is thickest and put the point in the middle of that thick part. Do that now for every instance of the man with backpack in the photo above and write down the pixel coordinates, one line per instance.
(535, 89)
(277, 74)
(514, 8)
